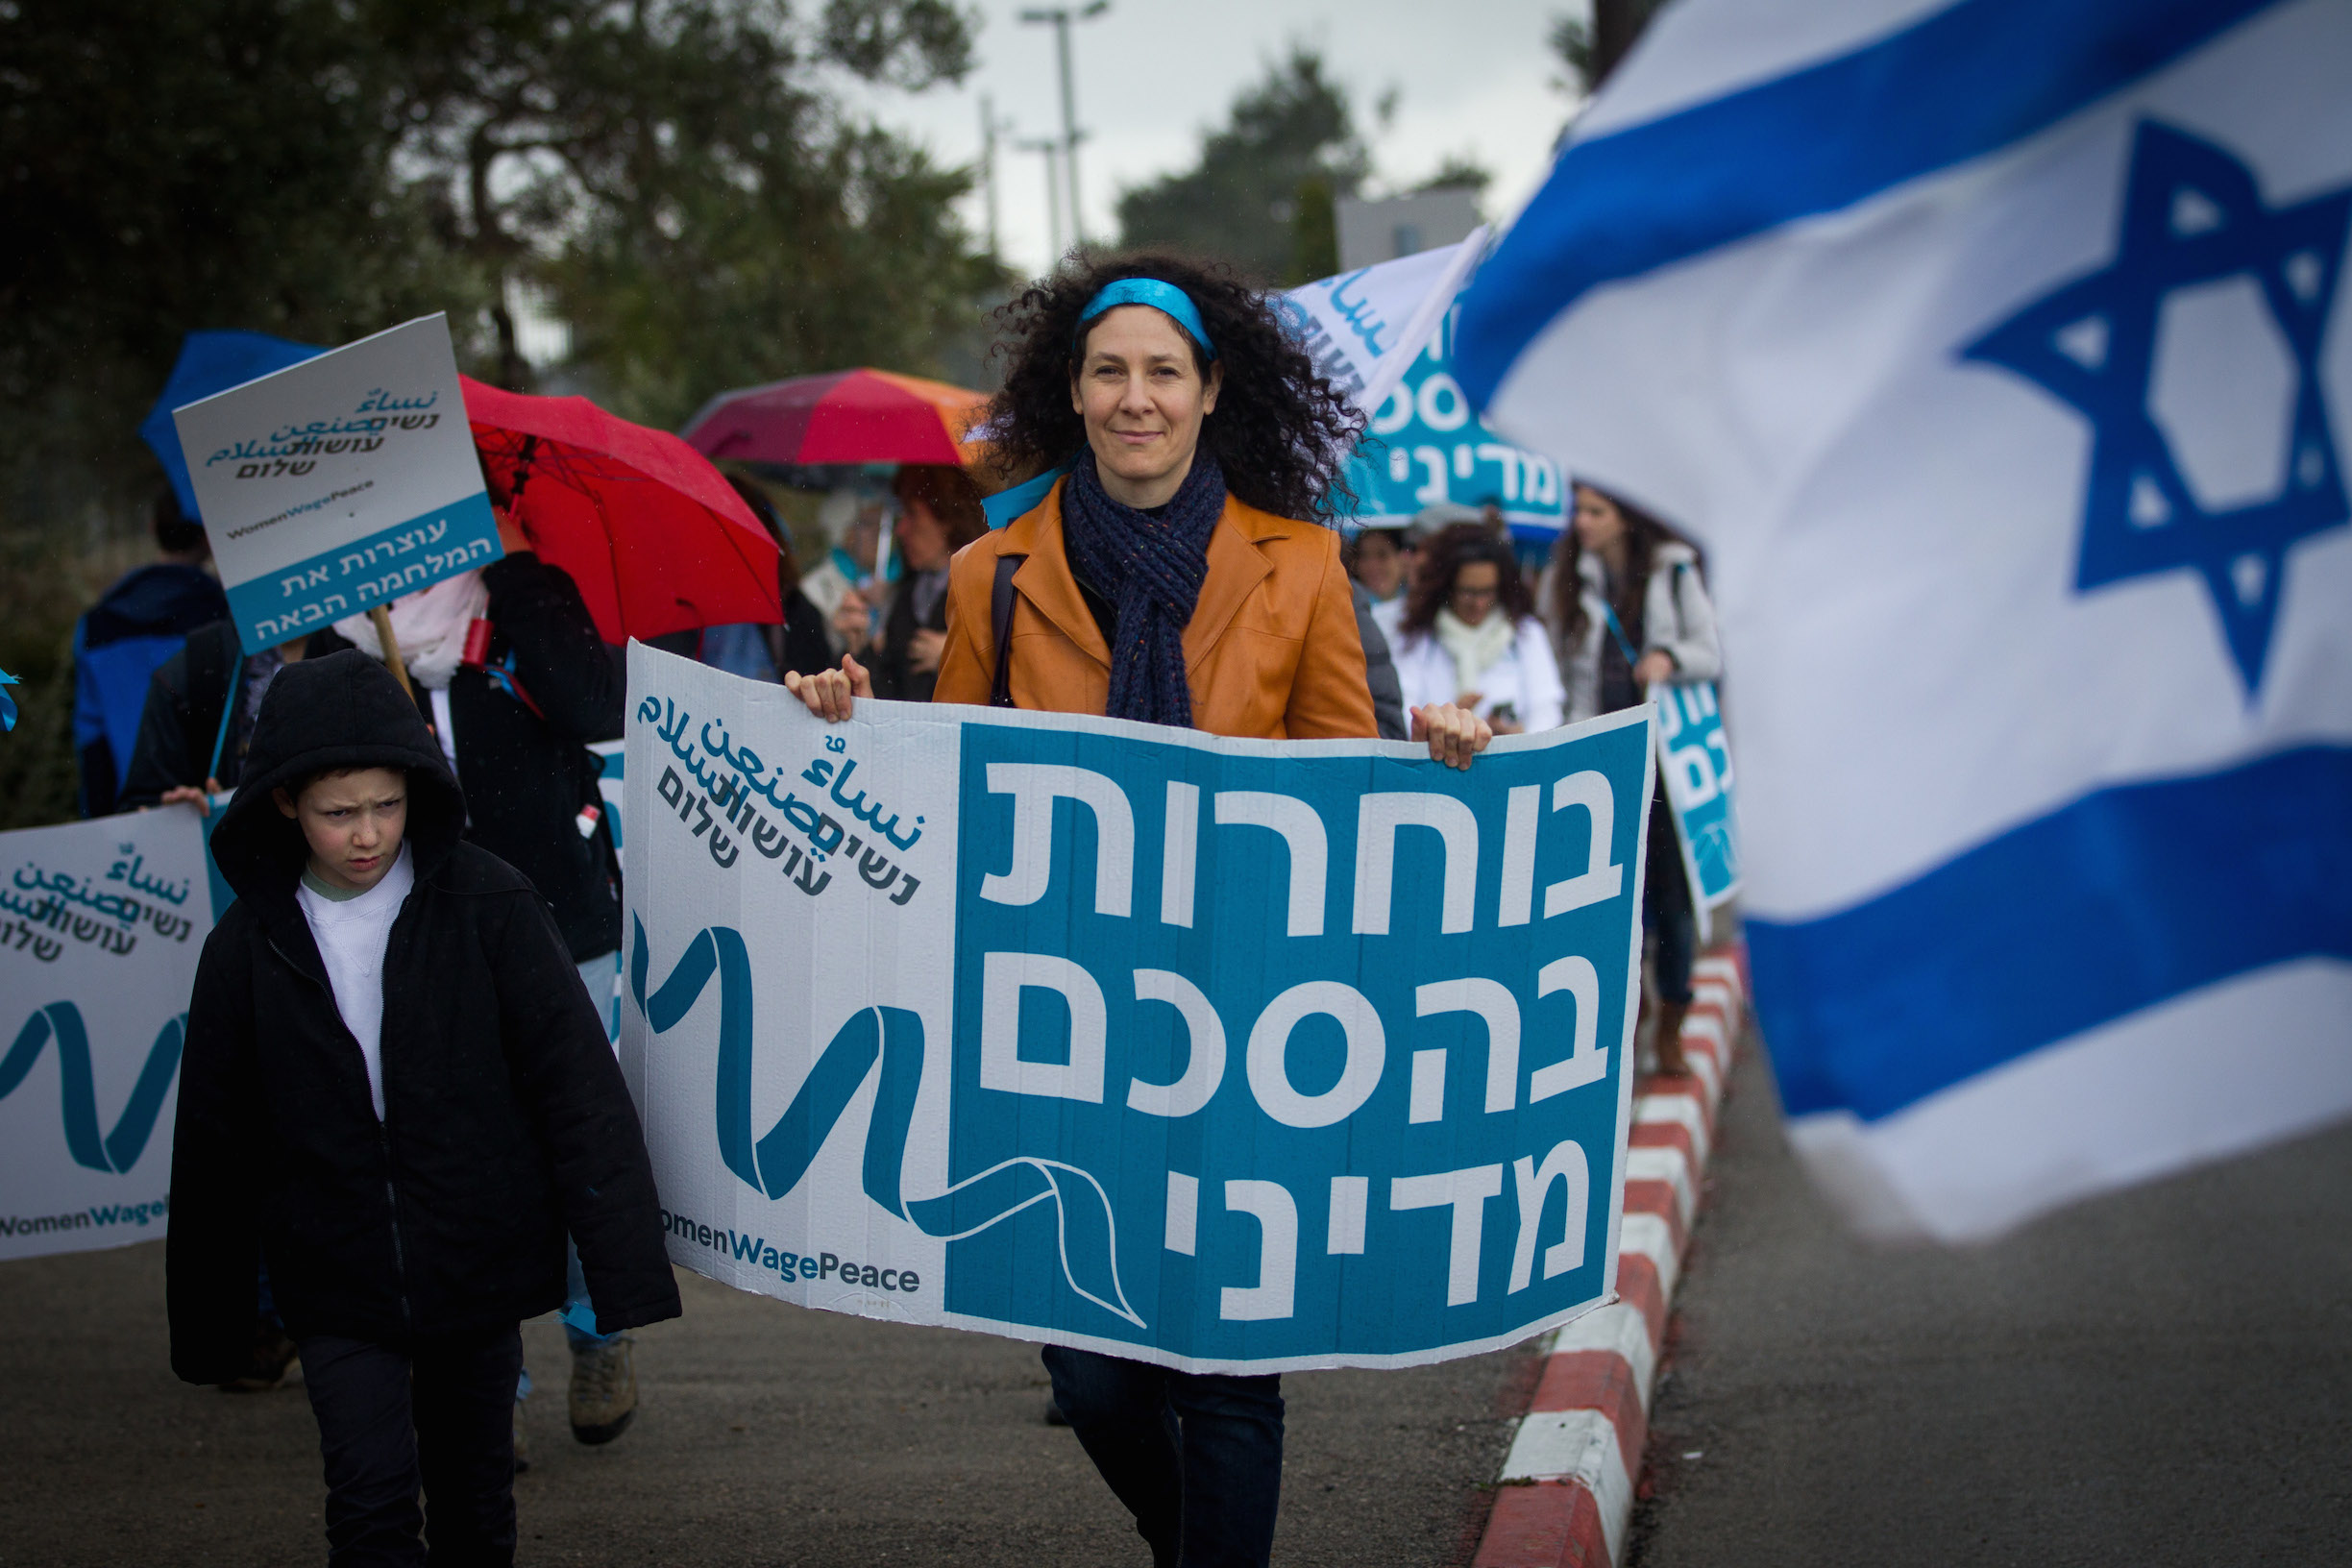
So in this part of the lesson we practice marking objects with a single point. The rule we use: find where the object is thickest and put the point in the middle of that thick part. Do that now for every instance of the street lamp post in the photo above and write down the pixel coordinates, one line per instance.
(1052, 150)
(989, 126)
(1061, 17)
(988, 165)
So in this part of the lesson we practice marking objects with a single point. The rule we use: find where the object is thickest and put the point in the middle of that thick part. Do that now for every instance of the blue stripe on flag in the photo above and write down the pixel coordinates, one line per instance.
(1968, 80)
(2118, 902)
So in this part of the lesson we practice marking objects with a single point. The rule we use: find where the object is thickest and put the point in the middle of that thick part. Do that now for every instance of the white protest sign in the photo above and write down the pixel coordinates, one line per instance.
(339, 483)
(1362, 329)
(1218, 1054)
(101, 924)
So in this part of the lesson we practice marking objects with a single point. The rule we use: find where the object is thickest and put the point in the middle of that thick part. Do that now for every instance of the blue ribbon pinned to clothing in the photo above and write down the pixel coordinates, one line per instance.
(892, 1037)
(8, 703)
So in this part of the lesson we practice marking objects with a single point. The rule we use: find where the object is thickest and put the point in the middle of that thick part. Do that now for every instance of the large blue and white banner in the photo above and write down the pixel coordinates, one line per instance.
(1218, 1054)
(1995, 350)
(1364, 328)
(1424, 446)
(339, 483)
(101, 923)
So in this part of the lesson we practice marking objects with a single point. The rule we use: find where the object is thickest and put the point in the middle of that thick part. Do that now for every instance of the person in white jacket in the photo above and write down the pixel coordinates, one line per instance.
(1628, 611)
(1470, 635)
(1616, 555)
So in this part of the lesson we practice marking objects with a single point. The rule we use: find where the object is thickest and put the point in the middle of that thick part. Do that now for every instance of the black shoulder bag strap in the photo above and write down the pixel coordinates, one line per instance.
(1001, 618)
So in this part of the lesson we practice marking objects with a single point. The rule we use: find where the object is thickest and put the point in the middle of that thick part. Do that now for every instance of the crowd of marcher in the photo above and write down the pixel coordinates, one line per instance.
(1619, 606)
(401, 1129)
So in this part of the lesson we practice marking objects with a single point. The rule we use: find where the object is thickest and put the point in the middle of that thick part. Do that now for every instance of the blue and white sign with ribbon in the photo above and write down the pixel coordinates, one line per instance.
(1218, 1054)
(339, 483)
(101, 923)
(1696, 757)
(1998, 354)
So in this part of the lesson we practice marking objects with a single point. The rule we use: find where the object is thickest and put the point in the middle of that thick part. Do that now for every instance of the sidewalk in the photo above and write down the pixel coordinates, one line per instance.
(1568, 1483)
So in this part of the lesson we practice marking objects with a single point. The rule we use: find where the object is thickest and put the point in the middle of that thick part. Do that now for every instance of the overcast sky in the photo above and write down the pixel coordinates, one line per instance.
(1474, 78)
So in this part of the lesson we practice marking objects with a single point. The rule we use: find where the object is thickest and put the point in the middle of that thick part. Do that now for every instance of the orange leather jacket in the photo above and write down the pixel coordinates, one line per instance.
(1270, 653)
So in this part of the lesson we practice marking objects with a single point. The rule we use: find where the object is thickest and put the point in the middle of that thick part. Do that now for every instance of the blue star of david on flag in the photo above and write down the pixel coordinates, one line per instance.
(2192, 216)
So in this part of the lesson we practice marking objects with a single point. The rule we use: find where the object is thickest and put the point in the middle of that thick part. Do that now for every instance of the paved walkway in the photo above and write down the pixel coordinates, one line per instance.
(770, 1435)
(2160, 1377)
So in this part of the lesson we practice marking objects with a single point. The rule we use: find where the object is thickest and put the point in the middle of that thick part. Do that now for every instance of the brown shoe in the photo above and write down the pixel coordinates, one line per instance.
(603, 1392)
(1671, 1061)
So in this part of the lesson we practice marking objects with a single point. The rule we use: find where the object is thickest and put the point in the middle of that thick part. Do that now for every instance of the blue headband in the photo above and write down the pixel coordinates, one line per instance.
(1167, 298)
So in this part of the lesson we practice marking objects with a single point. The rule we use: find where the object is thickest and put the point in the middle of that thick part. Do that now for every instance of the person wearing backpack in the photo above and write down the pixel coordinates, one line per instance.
(1626, 611)
(117, 643)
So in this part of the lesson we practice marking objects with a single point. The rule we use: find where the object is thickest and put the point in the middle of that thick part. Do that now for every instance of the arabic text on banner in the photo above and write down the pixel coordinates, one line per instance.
(339, 483)
(101, 923)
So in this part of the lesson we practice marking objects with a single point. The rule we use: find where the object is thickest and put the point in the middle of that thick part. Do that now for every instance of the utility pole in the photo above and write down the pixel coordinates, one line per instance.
(1060, 16)
(987, 169)
(1052, 150)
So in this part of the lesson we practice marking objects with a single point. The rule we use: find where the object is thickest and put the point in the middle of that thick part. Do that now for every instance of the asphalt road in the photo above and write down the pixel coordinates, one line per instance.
(769, 1434)
(2159, 1377)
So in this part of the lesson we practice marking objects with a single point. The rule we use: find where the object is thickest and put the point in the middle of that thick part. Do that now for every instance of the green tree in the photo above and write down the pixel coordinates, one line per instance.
(203, 163)
(686, 174)
(683, 174)
(1460, 171)
(1591, 50)
(1261, 195)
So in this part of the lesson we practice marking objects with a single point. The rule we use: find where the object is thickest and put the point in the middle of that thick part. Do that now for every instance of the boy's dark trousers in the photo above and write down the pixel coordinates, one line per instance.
(1195, 1455)
(436, 1413)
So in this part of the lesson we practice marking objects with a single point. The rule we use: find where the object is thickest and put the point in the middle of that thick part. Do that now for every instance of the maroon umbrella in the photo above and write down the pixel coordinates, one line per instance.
(848, 416)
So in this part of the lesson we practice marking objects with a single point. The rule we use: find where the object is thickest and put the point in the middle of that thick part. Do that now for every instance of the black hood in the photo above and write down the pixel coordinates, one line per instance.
(342, 710)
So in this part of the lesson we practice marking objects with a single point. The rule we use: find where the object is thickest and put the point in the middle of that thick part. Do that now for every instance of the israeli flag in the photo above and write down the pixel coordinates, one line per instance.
(1994, 352)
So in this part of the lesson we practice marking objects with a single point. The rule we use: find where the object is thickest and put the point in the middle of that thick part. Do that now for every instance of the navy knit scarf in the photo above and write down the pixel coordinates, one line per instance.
(1150, 565)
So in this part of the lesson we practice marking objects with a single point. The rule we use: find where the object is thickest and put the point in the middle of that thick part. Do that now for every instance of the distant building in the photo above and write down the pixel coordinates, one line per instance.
(1371, 232)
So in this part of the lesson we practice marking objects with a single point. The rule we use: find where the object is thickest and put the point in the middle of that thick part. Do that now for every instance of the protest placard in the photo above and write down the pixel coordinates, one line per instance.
(339, 483)
(101, 924)
(1698, 766)
(1214, 1053)
(1362, 329)
(1425, 446)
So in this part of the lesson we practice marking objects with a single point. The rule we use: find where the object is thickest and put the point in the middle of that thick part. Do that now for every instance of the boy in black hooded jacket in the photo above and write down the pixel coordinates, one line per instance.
(402, 1102)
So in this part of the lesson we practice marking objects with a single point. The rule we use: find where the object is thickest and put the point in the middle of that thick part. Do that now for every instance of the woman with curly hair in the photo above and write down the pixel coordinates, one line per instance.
(1469, 634)
(1628, 612)
(1165, 566)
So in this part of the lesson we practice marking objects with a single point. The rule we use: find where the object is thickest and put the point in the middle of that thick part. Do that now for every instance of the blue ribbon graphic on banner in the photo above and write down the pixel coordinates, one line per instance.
(892, 1037)
(120, 1149)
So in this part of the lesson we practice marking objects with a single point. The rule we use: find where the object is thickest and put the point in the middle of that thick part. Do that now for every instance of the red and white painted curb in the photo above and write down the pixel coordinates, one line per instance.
(1567, 1491)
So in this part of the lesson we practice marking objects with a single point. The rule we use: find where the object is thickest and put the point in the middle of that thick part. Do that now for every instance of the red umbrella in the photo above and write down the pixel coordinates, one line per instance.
(848, 416)
(656, 538)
